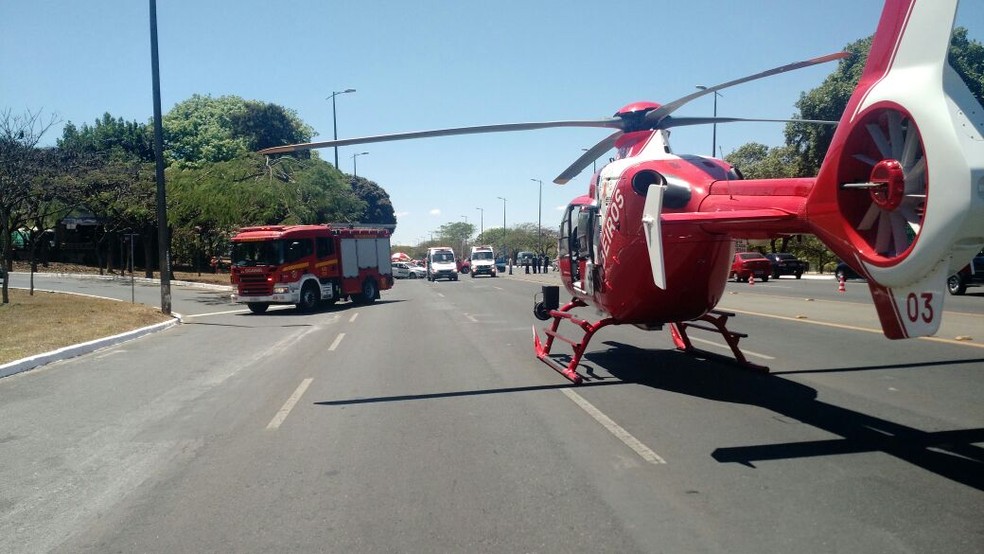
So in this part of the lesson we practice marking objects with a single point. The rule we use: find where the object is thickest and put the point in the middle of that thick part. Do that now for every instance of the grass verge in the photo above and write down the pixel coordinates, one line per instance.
(46, 321)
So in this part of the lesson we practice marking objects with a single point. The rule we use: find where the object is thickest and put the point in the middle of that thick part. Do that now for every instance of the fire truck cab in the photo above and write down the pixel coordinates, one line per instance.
(305, 265)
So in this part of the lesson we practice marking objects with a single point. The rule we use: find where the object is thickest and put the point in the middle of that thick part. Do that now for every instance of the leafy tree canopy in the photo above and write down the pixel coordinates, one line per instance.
(378, 209)
(204, 129)
(110, 137)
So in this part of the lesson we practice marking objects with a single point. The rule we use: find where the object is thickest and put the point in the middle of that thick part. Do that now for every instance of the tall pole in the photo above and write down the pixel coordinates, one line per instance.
(355, 168)
(505, 249)
(539, 218)
(481, 228)
(334, 117)
(163, 245)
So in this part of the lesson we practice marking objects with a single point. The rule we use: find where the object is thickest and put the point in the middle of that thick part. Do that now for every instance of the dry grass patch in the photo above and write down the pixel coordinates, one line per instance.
(31, 325)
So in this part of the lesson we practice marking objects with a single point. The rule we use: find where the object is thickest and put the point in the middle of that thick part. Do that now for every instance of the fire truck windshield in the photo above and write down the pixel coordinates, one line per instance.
(269, 252)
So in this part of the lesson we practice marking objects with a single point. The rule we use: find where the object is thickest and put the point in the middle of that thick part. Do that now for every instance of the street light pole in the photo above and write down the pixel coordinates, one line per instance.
(505, 249)
(334, 118)
(163, 240)
(539, 218)
(355, 169)
(481, 228)
(714, 126)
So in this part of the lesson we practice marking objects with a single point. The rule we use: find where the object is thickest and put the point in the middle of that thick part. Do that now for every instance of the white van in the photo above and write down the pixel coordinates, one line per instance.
(482, 261)
(441, 264)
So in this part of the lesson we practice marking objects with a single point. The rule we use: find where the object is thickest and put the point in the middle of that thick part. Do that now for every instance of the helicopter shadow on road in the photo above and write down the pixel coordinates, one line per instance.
(950, 454)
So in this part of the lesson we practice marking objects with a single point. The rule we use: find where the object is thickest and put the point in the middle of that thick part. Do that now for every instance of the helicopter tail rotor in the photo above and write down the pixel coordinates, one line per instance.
(899, 196)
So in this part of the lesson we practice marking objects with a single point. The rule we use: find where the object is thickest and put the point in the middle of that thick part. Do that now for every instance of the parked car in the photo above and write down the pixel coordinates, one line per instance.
(972, 275)
(747, 264)
(406, 270)
(786, 264)
(845, 272)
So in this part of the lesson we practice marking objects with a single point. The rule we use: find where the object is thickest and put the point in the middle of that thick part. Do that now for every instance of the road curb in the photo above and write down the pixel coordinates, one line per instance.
(38, 360)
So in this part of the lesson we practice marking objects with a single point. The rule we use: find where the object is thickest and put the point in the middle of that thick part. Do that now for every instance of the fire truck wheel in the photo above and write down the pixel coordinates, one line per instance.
(369, 291)
(258, 307)
(309, 297)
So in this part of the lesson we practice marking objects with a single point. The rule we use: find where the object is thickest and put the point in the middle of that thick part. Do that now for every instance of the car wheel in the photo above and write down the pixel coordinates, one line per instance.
(368, 294)
(956, 285)
(309, 297)
(775, 274)
(412, 275)
(799, 274)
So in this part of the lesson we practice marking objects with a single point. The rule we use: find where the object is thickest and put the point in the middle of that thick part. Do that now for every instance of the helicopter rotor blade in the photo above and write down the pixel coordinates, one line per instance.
(658, 114)
(670, 122)
(473, 130)
(587, 158)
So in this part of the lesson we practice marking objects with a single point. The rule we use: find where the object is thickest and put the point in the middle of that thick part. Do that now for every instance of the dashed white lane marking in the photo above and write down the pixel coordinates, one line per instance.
(355, 315)
(289, 405)
(621, 434)
(471, 318)
(441, 294)
(498, 288)
(336, 342)
(726, 347)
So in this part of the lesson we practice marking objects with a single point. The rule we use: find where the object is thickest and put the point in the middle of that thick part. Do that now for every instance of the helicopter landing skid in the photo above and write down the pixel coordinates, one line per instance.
(543, 349)
(718, 324)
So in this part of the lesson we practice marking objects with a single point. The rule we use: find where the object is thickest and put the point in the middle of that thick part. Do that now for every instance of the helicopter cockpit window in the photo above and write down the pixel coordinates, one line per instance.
(584, 234)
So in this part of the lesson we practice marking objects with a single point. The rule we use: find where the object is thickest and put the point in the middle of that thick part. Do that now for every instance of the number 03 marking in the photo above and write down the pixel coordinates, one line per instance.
(920, 306)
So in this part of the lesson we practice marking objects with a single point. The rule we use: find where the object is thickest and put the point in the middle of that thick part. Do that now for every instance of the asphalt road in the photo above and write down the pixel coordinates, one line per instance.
(424, 423)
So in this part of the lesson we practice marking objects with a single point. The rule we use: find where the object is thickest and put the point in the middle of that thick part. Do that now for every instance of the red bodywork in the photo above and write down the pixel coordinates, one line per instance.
(747, 264)
(869, 204)
(338, 261)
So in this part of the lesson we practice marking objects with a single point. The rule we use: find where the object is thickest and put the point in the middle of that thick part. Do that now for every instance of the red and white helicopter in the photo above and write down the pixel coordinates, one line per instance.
(651, 242)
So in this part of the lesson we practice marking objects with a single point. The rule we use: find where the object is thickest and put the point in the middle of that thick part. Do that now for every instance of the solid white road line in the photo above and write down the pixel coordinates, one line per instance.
(614, 428)
(336, 342)
(726, 347)
(289, 405)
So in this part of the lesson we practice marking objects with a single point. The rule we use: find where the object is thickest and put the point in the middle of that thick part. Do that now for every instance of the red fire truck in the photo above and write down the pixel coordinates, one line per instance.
(307, 264)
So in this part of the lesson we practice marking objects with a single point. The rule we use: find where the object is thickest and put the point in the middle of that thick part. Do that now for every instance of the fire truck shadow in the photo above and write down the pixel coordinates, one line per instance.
(288, 310)
(951, 454)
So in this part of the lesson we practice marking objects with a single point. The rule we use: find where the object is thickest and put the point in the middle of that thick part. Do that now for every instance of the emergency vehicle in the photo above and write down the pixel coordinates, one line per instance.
(482, 261)
(307, 264)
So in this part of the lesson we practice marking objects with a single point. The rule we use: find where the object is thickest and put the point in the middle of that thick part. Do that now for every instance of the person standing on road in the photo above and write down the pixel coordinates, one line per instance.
(546, 263)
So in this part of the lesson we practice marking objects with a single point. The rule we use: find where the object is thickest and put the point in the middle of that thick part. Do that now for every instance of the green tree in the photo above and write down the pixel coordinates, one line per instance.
(203, 129)
(21, 165)
(379, 209)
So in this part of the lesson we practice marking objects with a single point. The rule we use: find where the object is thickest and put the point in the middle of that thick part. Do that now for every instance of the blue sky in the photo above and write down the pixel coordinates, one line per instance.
(430, 64)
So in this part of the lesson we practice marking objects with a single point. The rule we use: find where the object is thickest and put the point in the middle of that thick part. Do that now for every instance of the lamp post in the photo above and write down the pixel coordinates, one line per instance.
(539, 217)
(334, 118)
(505, 248)
(714, 127)
(163, 240)
(355, 172)
(594, 163)
(481, 228)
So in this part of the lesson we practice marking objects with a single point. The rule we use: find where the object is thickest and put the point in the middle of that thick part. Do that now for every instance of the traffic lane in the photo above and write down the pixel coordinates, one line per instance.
(186, 298)
(800, 447)
(854, 290)
(82, 434)
(393, 446)
(838, 424)
(854, 308)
